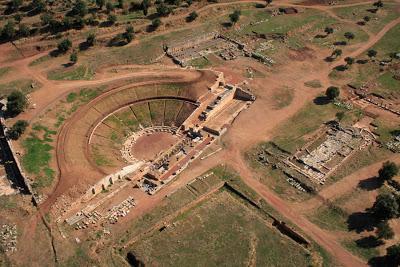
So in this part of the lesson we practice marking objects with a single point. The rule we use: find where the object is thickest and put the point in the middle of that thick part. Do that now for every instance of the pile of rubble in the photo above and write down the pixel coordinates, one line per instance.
(120, 210)
(394, 145)
(8, 237)
(90, 218)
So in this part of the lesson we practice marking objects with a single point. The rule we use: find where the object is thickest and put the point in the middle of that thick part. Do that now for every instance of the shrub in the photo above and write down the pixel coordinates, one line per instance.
(16, 103)
(332, 92)
(64, 45)
(17, 129)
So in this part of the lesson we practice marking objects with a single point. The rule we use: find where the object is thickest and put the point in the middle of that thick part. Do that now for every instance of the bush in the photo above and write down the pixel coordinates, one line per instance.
(192, 16)
(155, 23)
(112, 19)
(16, 103)
(385, 207)
(349, 35)
(372, 53)
(163, 10)
(388, 171)
(64, 45)
(91, 39)
(332, 92)
(235, 16)
(74, 57)
(328, 30)
(384, 231)
(393, 254)
(341, 68)
(17, 129)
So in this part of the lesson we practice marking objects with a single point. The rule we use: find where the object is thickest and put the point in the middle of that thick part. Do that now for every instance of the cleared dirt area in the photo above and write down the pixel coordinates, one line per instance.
(149, 146)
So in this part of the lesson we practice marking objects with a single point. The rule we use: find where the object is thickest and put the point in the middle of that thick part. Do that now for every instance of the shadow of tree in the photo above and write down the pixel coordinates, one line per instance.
(321, 100)
(361, 221)
(369, 242)
(370, 184)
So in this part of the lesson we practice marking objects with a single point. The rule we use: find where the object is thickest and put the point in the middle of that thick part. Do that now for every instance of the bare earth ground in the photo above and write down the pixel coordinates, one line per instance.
(148, 147)
(254, 125)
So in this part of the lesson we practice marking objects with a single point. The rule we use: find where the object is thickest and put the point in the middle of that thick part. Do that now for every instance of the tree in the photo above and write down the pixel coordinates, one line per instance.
(67, 22)
(328, 30)
(384, 231)
(91, 39)
(393, 254)
(349, 35)
(38, 5)
(155, 23)
(367, 18)
(112, 19)
(64, 45)
(378, 4)
(109, 7)
(17, 129)
(129, 34)
(24, 30)
(234, 17)
(15, 4)
(18, 18)
(332, 92)
(349, 60)
(385, 207)
(337, 52)
(16, 103)
(100, 3)
(388, 171)
(268, 1)
(372, 53)
(192, 16)
(73, 57)
(121, 3)
(46, 18)
(163, 10)
(80, 8)
(145, 6)
(8, 31)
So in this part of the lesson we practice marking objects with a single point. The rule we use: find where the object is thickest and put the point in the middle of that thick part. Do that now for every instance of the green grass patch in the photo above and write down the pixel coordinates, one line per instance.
(37, 155)
(389, 43)
(330, 218)
(200, 63)
(283, 97)
(7, 202)
(313, 84)
(100, 159)
(4, 71)
(220, 231)
(377, 20)
(71, 97)
(23, 85)
(358, 160)
(72, 73)
(290, 135)
(364, 252)
(40, 60)
(388, 82)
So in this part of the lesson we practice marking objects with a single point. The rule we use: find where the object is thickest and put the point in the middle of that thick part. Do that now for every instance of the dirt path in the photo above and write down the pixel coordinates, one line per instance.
(345, 185)
(371, 42)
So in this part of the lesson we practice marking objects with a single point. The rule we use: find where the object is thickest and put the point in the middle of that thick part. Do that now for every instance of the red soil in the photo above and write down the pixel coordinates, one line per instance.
(149, 146)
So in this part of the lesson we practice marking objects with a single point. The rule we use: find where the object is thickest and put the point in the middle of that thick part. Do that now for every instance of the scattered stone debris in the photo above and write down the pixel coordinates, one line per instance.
(8, 237)
(394, 145)
(120, 210)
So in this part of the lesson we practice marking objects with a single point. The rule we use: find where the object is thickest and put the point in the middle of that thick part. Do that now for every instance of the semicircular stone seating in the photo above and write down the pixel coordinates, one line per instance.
(131, 114)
